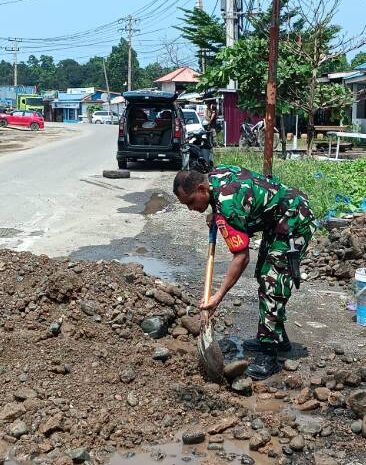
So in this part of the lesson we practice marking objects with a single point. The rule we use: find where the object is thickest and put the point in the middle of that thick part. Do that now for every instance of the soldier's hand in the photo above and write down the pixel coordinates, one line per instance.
(211, 305)
(209, 219)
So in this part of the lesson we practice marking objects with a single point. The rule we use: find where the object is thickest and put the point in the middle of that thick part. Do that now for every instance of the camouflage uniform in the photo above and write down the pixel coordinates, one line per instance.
(250, 203)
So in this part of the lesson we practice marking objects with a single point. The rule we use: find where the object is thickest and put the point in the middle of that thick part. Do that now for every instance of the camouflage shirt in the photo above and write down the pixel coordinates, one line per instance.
(251, 202)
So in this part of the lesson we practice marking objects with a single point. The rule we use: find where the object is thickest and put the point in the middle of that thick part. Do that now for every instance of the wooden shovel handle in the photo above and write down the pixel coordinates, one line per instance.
(209, 270)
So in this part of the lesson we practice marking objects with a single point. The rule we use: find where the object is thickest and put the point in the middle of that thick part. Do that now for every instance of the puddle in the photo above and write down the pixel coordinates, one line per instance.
(9, 232)
(153, 266)
(178, 454)
(156, 204)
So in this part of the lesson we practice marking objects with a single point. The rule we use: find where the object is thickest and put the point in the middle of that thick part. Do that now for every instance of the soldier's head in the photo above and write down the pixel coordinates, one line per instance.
(192, 189)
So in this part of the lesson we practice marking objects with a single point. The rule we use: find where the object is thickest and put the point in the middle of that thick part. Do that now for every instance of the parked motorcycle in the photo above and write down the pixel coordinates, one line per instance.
(252, 135)
(198, 152)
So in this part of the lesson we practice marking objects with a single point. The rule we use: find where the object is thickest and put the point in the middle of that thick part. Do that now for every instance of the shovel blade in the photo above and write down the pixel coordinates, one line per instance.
(210, 354)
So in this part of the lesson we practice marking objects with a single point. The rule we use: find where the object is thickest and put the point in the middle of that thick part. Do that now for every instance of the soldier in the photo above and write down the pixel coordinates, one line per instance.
(243, 203)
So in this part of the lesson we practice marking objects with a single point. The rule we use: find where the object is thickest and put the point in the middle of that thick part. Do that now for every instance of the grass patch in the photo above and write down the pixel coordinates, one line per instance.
(331, 186)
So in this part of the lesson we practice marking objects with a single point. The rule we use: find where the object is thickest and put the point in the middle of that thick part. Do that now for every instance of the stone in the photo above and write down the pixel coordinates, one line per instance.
(353, 379)
(215, 446)
(54, 423)
(162, 354)
(23, 394)
(287, 450)
(164, 297)
(55, 328)
(247, 460)
(280, 394)
(326, 431)
(363, 374)
(237, 303)
(336, 399)
(322, 394)
(324, 459)
(223, 425)
(259, 439)
(289, 432)
(216, 438)
(339, 350)
(192, 324)
(235, 369)
(297, 443)
(364, 427)
(311, 427)
(127, 375)
(309, 405)
(356, 427)
(11, 411)
(193, 437)
(79, 455)
(291, 365)
(316, 381)
(154, 326)
(179, 331)
(294, 381)
(132, 399)
(257, 424)
(242, 432)
(304, 395)
(18, 429)
(243, 385)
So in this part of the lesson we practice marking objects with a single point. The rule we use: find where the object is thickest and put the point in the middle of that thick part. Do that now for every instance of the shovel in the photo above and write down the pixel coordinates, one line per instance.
(209, 351)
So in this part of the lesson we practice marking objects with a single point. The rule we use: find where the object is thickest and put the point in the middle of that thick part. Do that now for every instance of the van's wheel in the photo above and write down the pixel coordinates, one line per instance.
(34, 127)
(116, 174)
(122, 164)
(3, 123)
(98, 121)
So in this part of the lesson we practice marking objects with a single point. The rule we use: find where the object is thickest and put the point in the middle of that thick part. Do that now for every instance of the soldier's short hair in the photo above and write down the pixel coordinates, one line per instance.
(188, 181)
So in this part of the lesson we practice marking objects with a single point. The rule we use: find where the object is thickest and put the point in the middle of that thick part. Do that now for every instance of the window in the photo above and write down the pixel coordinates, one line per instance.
(190, 117)
(361, 104)
(17, 113)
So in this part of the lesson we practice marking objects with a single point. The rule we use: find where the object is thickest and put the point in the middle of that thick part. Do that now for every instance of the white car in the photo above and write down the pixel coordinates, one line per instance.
(105, 117)
(192, 120)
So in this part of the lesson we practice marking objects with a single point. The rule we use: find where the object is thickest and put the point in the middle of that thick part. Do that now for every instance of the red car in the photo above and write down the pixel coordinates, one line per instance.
(29, 119)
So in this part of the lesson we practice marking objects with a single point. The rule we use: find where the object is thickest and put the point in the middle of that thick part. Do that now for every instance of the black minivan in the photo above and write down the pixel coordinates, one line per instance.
(151, 128)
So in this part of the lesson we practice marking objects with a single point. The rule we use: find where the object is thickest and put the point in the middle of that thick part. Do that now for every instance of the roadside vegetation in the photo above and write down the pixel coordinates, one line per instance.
(333, 188)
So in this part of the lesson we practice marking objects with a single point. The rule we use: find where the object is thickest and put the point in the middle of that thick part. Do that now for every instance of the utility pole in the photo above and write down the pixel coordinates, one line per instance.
(15, 50)
(230, 32)
(129, 28)
(271, 89)
(202, 52)
(107, 84)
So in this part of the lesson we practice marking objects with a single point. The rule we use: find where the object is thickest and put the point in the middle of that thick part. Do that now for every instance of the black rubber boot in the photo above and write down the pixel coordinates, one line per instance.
(255, 345)
(264, 365)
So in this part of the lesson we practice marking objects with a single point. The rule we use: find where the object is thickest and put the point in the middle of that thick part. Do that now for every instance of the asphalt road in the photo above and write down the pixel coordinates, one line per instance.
(54, 199)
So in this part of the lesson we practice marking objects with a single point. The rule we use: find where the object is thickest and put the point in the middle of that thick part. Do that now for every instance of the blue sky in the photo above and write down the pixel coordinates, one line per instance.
(97, 24)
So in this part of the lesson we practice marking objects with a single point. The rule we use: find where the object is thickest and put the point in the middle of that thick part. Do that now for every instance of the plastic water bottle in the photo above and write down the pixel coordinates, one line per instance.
(360, 285)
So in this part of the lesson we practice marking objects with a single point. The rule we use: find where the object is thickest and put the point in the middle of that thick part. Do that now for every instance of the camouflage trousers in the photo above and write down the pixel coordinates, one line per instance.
(275, 281)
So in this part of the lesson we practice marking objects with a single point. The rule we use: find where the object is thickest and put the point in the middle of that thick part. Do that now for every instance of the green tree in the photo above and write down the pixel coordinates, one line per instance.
(93, 74)
(359, 59)
(47, 77)
(117, 67)
(6, 73)
(69, 74)
(150, 73)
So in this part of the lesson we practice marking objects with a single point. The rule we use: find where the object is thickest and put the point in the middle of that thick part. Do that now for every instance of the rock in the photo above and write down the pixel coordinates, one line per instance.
(311, 427)
(294, 381)
(289, 432)
(321, 364)
(192, 324)
(363, 374)
(235, 369)
(154, 326)
(304, 396)
(364, 427)
(356, 427)
(353, 379)
(357, 402)
(55, 327)
(287, 450)
(132, 399)
(309, 405)
(23, 394)
(326, 431)
(215, 446)
(11, 411)
(18, 429)
(242, 432)
(89, 308)
(179, 331)
(297, 443)
(243, 385)
(216, 438)
(4, 449)
(237, 303)
(79, 455)
(193, 437)
(315, 381)
(338, 350)
(336, 399)
(53, 424)
(164, 297)
(127, 375)
(246, 460)
(322, 393)
(162, 354)
(323, 459)
(291, 365)
(223, 425)
(259, 439)
(257, 424)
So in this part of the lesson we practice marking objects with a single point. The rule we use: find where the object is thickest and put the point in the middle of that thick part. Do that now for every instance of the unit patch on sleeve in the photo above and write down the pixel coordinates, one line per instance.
(237, 241)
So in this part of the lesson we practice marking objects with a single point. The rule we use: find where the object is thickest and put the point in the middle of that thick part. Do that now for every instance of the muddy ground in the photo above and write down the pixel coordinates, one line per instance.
(14, 139)
(82, 383)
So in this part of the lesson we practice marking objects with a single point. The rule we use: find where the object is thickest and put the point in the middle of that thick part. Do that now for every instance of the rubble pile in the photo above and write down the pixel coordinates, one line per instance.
(335, 257)
(99, 356)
